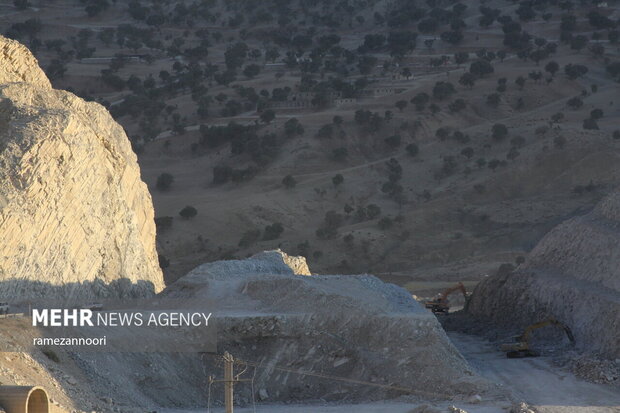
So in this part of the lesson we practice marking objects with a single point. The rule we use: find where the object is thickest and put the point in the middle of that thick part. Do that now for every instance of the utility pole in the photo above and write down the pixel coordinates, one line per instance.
(229, 380)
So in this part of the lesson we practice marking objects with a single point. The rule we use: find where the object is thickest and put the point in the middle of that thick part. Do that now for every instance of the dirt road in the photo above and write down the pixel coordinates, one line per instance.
(546, 388)
(379, 407)
(536, 381)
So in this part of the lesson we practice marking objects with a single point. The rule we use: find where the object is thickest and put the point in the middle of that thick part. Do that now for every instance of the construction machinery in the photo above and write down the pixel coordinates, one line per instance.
(440, 304)
(521, 347)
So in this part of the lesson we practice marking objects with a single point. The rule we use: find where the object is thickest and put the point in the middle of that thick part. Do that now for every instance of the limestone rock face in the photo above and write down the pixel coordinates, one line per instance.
(297, 264)
(19, 65)
(76, 220)
(573, 274)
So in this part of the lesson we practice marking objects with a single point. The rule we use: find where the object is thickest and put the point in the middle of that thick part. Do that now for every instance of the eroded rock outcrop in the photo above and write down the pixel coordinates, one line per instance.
(573, 274)
(75, 218)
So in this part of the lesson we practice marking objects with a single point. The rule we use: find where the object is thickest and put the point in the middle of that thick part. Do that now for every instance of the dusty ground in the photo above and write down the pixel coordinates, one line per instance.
(536, 380)
(393, 407)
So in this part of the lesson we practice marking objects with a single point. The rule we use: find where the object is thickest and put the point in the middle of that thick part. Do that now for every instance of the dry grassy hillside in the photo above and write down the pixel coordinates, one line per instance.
(437, 188)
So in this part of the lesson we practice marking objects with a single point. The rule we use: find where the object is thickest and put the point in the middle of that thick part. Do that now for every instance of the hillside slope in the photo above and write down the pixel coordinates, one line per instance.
(573, 274)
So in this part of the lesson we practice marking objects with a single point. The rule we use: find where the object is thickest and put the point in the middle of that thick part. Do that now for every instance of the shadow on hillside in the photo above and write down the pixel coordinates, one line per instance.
(20, 292)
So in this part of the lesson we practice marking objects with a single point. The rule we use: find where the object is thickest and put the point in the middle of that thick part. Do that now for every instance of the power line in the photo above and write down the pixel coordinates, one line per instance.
(407, 390)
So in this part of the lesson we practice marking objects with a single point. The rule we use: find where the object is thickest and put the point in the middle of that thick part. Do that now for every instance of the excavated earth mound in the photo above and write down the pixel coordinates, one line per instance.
(75, 218)
(573, 274)
(356, 337)
(297, 338)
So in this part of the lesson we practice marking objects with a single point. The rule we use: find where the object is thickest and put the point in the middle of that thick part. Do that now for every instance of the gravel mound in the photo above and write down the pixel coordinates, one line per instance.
(573, 274)
(337, 338)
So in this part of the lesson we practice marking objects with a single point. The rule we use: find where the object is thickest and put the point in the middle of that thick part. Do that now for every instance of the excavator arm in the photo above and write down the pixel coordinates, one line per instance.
(457, 287)
(525, 337)
(522, 347)
(441, 303)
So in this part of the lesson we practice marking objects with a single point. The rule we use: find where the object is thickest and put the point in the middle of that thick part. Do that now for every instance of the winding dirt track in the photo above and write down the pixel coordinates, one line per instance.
(535, 380)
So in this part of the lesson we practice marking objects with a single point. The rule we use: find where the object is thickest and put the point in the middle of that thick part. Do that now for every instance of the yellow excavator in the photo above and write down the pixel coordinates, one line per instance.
(441, 305)
(521, 347)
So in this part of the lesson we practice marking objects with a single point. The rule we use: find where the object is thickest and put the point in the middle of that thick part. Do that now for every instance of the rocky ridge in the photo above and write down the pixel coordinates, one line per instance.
(76, 219)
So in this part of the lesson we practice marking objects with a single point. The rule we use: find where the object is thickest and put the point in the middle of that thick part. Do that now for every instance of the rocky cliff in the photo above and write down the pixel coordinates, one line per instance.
(573, 274)
(75, 217)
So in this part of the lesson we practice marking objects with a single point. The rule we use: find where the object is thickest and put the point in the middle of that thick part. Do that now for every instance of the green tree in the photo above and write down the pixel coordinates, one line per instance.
(499, 131)
(468, 152)
(596, 114)
(293, 127)
(21, 4)
(520, 81)
(164, 181)
(251, 71)
(419, 101)
(443, 90)
(188, 212)
(468, 80)
(337, 180)
(401, 104)
(267, 116)
(273, 231)
(289, 182)
(481, 68)
(373, 211)
(460, 58)
(575, 103)
(574, 71)
(412, 149)
(493, 100)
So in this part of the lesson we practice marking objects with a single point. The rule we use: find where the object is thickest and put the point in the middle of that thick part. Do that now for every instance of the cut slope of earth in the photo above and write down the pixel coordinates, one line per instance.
(339, 327)
(572, 275)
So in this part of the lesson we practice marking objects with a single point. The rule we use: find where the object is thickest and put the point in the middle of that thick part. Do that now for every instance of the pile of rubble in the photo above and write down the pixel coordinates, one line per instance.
(337, 338)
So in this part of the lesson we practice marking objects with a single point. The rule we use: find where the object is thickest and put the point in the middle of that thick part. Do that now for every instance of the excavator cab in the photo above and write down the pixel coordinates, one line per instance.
(521, 348)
